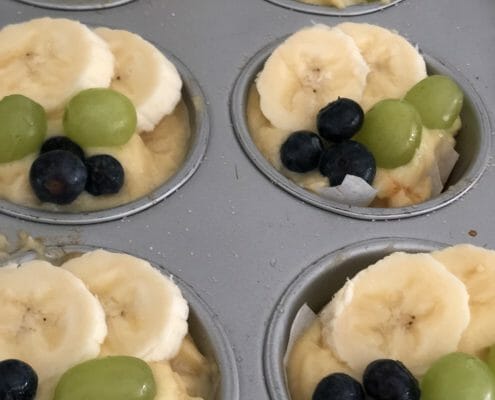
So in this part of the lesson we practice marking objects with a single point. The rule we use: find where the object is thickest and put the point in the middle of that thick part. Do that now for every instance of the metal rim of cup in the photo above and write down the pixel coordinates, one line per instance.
(238, 106)
(277, 332)
(197, 106)
(350, 11)
(76, 5)
(203, 318)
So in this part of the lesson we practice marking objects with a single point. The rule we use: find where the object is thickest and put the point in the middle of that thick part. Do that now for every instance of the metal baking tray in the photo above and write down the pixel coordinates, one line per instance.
(229, 232)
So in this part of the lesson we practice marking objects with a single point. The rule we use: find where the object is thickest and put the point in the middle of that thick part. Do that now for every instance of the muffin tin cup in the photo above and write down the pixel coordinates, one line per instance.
(315, 286)
(76, 5)
(473, 145)
(204, 327)
(200, 128)
(351, 11)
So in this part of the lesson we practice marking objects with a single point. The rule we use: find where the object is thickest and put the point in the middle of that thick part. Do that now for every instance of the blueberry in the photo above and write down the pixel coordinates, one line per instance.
(338, 386)
(390, 380)
(105, 175)
(62, 143)
(347, 158)
(340, 120)
(18, 381)
(58, 177)
(301, 151)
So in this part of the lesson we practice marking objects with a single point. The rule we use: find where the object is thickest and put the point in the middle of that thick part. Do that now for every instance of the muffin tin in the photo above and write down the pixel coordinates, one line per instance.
(232, 234)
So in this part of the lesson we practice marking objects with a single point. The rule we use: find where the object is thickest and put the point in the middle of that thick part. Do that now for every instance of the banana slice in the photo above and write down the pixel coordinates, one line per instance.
(49, 319)
(145, 311)
(310, 361)
(50, 60)
(395, 65)
(310, 69)
(406, 307)
(169, 386)
(475, 267)
(144, 75)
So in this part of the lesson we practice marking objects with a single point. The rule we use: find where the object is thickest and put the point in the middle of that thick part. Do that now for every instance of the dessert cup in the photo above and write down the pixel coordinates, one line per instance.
(203, 326)
(195, 103)
(473, 144)
(315, 286)
(355, 10)
(75, 5)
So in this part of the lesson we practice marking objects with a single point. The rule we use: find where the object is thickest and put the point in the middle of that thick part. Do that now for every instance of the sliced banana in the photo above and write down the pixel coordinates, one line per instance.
(168, 383)
(144, 75)
(50, 60)
(406, 307)
(475, 267)
(307, 71)
(49, 319)
(395, 65)
(310, 361)
(145, 312)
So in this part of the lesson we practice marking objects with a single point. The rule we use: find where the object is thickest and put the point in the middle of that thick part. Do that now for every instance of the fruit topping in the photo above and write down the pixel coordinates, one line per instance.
(301, 151)
(105, 175)
(438, 99)
(340, 120)
(62, 143)
(338, 386)
(100, 117)
(458, 376)
(391, 132)
(108, 378)
(58, 177)
(18, 381)
(22, 129)
(390, 380)
(347, 158)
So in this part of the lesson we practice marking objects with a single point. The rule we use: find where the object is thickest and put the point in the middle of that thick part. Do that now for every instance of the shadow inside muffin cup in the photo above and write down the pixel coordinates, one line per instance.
(472, 144)
(350, 11)
(203, 326)
(195, 103)
(315, 286)
(76, 5)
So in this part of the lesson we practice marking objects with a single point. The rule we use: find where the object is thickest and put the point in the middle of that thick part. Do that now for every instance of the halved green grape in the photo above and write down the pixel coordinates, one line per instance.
(490, 359)
(438, 100)
(100, 117)
(391, 132)
(458, 376)
(22, 127)
(108, 378)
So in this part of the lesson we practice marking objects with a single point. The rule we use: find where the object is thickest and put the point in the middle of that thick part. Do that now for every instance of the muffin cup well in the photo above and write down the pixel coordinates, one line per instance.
(200, 129)
(76, 5)
(204, 327)
(472, 144)
(315, 286)
(351, 11)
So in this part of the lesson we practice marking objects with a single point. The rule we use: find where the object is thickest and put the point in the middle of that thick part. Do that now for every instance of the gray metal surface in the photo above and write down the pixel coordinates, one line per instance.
(76, 4)
(229, 232)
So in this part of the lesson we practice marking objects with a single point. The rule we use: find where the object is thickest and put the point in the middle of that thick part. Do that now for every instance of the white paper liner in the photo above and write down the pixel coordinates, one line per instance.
(353, 190)
(303, 319)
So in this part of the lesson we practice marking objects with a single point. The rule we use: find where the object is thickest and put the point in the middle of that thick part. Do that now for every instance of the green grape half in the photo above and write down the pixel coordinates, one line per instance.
(458, 376)
(100, 117)
(108, 378)
(438, 100)
(391, 131)
(22, 127)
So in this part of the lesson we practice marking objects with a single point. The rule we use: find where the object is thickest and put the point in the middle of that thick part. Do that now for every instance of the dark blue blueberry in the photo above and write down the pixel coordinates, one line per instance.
(105, 175)
(58, 177)
(390, 380)
(340, 120)
(18, 381)
(338, 386)
(62, 143)
(347, 158)
(301, 151)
